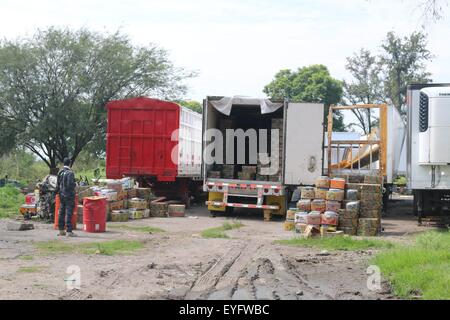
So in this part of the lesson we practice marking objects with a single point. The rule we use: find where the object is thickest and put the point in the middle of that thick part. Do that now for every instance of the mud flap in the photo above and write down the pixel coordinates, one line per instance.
(279, 201)
(218, 197)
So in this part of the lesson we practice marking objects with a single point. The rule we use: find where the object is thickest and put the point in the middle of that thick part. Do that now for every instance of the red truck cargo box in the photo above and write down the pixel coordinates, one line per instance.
(139, 138)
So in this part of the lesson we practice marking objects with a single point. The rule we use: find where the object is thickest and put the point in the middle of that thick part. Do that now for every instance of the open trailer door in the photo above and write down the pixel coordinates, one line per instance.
(304, 143)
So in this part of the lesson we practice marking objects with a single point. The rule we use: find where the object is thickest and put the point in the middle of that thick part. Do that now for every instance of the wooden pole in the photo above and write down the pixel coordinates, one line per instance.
(330, 137)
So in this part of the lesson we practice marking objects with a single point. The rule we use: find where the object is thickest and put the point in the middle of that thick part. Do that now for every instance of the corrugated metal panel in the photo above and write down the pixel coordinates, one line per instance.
(141, 138)
(190, 143)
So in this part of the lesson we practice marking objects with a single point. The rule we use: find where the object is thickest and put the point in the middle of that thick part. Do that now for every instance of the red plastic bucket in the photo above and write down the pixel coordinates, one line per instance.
(30, 198)
(94, 214)
(74, 215)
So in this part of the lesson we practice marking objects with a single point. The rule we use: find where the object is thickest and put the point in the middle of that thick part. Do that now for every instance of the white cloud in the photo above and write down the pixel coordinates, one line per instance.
(237, 46)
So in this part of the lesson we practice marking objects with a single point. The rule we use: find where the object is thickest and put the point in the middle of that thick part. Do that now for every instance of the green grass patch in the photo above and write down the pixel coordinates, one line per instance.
(108, 248)
(26, 258)
(10, 201)
(421, 270)
(33, 269)
(145, 229)
(219, 232)
(337, 243)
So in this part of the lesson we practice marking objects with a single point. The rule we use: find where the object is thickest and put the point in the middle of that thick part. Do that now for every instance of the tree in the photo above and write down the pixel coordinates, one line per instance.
(403, 63)
(54, 87)
(308, 84)
(192, 104)
(433, 8)
(367, 87)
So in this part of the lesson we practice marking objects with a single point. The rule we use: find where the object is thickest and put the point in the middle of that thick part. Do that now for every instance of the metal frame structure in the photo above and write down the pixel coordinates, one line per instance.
(382, 142)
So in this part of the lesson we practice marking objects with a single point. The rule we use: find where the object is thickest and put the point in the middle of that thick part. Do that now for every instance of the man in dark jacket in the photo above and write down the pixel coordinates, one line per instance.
(66, 190)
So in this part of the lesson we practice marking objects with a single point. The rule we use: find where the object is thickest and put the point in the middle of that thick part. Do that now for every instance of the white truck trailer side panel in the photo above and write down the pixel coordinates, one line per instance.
(190, 144)
(304, 142)
(420, 176)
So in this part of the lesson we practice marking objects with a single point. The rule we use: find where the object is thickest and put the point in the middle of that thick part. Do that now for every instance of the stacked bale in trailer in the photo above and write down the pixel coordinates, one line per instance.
(277, 154)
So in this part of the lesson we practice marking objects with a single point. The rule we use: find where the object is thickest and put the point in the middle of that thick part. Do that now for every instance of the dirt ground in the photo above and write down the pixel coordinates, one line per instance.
(180, 264)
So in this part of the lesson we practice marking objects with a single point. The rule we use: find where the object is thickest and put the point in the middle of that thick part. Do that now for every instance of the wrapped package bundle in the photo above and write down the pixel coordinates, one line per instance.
(176, 210)
(319, 205)
(301, 217)
(308, 193)
(348, 214)
(214, 174)
(323, 182)
(330, 218)
(132, 193)
(333, 206)
(337, 183)
(290, 214)
(138, 204)
(320, 193)
(304, 205)
(159, 209)
(115, 185)
(136, 214)
(119, 216)
(354, 205)
(335, 195)
(289, 226)
(314, 218)
(352, 194)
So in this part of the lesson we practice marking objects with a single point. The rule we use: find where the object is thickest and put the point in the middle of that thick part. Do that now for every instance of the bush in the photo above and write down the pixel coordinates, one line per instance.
(10, 201)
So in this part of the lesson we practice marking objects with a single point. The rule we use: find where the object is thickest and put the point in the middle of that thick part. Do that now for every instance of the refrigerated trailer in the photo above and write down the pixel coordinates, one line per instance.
(428, 156)
(157, 142)
(299, 154)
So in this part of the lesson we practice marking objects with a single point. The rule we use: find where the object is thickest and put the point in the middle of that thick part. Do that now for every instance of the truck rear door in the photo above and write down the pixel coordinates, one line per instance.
(303, 143)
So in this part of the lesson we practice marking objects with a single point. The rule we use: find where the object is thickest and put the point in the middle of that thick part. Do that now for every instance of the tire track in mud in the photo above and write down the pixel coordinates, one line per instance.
(254, 270)
(308, 291)
(207, 281)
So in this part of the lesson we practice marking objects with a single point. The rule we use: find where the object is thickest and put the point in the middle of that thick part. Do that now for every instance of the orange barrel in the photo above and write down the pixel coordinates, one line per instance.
(74, 215)
(94, 214)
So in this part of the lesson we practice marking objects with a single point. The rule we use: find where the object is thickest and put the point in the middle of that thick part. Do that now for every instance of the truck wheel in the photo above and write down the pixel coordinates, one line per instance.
(229, 211)
(212, 214)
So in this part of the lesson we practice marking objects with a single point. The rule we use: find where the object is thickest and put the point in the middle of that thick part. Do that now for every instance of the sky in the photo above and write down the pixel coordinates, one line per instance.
(238, 46)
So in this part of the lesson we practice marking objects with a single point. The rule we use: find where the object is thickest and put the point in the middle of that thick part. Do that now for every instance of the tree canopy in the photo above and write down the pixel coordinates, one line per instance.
(384, 78)
(308, 84)
(403, 61)
(366, 88)
(54, 87)
(192, 104)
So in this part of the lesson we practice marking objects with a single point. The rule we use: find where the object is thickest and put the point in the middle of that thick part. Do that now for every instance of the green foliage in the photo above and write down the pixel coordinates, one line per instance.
(384, 78)
(54, 87)
(192, 104)
(145, 229)
(22, 166)
(337, 243)
(401, 180)
(32, 269)
(367, 88)
(10, 201)
(219, 232)
(404, 62)
(421, 270)
(105, 248)
(89, 167)
(26, 258)
(308, 84)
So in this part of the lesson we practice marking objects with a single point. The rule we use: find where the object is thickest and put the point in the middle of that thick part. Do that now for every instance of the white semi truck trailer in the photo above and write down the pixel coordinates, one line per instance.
(428, 149)
(299, 153)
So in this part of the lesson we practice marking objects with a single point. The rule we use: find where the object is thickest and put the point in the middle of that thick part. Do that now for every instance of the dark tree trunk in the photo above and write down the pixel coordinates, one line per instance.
(54, 171)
